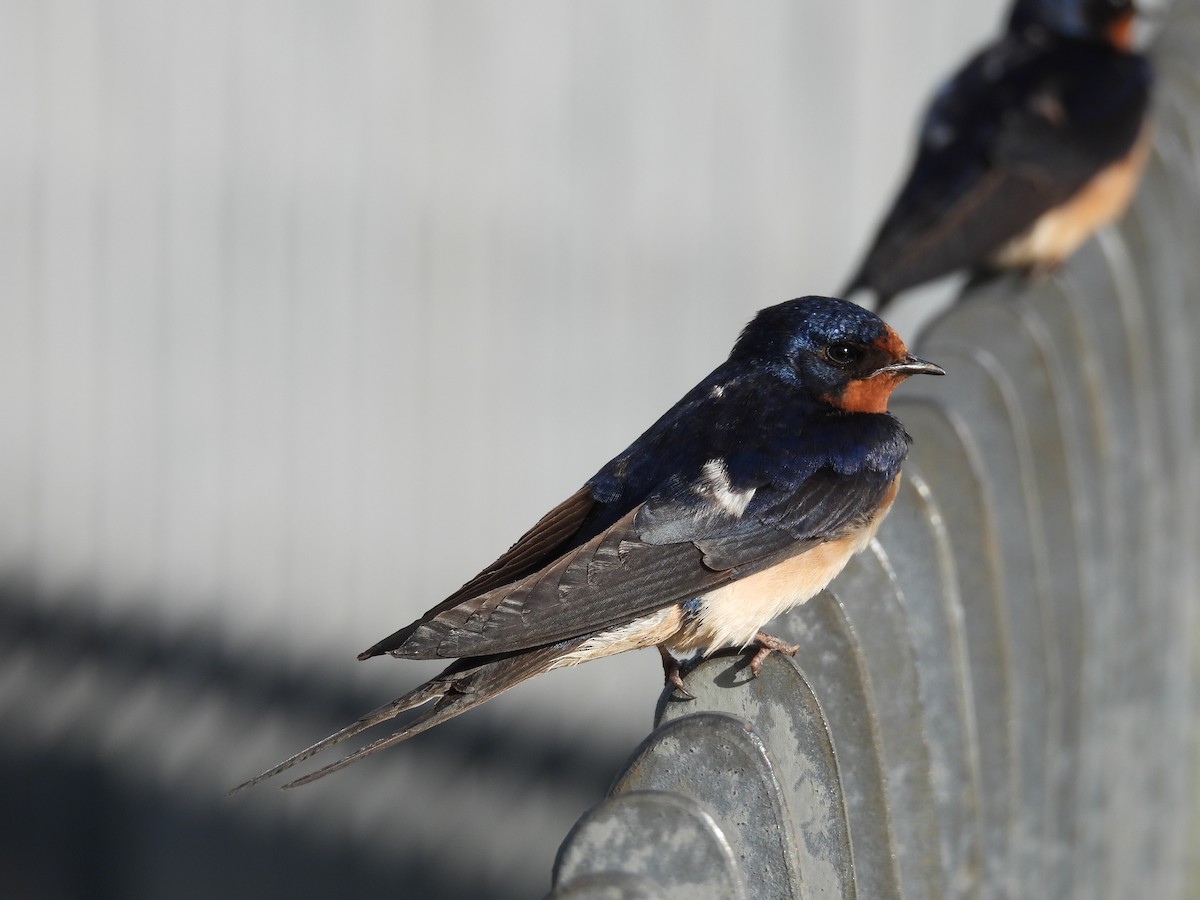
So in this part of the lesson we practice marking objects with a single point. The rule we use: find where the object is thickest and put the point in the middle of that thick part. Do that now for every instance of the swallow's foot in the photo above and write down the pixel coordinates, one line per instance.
(673, 670)
(768, 644)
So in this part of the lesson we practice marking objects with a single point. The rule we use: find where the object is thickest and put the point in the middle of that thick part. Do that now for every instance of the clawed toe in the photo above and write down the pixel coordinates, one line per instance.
(768, 644)
(673, 669)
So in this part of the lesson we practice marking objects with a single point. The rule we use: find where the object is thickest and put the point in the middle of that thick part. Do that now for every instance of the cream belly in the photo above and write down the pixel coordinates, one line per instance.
(1058, 233)
(648, 631)
(732, 615)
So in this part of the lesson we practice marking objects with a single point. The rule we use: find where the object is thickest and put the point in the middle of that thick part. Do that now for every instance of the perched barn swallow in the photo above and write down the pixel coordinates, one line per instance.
(1038, 141)
(745, 499)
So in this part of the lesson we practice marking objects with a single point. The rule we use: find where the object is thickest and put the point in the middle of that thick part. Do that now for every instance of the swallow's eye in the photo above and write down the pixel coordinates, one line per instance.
(843, 354)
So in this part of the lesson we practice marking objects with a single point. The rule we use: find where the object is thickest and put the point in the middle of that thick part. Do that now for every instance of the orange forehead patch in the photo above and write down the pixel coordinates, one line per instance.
(869, 395)
(891, 344)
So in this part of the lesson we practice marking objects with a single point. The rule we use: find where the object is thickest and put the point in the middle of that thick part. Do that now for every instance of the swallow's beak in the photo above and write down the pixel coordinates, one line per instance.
(912, 365)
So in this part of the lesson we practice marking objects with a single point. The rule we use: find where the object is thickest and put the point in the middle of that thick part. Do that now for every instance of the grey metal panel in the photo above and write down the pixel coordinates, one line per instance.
(1056, 427)
(919, 554)
(1053, 322)
(950, 464)
(1181, 148)
(1168, 204)
(789, 721)
(668, 845)
(830, 657)
(984, 401)
(1135, 659)
(1091, 294)
(1025, 363)
(719, 760)
(875, 615)
(1179, 78)
(1165, 206)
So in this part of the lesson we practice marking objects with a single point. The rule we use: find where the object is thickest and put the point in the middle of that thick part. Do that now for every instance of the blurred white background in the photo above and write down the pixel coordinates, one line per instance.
(308, 309)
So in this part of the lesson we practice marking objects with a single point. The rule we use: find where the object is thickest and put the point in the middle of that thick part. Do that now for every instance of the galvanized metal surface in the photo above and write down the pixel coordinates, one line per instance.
(999, 698)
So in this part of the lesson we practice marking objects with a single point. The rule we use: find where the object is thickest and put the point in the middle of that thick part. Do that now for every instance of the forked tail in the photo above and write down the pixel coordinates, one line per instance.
(465, 684)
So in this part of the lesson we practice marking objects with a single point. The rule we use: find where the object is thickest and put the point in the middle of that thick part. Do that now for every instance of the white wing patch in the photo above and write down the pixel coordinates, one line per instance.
(713, 484)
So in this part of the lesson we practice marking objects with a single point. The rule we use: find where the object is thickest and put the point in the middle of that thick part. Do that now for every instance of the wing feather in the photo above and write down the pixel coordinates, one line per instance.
(618, 576)
(1002, 204)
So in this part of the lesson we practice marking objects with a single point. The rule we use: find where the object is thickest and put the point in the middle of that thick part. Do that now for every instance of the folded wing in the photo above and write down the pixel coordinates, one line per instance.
(629, 570)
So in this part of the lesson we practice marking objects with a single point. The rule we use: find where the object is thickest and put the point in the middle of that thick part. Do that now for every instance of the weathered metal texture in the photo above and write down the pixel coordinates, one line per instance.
(797, 739)
(999, 698)
(669, 844)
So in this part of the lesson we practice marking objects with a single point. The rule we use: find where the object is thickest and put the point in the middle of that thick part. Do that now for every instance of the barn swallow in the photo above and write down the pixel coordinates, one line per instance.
(745, 499)
(1035, 143)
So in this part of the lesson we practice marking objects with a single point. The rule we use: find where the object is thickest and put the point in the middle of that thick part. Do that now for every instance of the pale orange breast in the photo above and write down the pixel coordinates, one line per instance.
(1058, 233)
(732, 615)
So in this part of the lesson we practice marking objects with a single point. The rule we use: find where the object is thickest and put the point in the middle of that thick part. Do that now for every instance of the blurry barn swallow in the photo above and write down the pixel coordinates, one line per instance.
(1038, 141)
(745, 499)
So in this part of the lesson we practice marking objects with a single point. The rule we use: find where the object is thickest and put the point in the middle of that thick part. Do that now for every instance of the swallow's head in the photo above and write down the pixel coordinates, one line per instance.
(1112, 21)
(1103, 21)
(838, 352)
